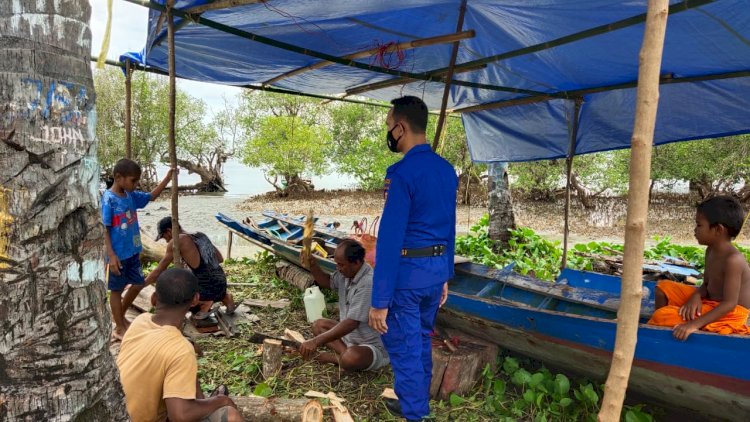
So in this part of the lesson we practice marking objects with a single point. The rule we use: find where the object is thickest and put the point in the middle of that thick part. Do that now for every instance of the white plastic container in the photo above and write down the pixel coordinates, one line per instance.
(315, 303)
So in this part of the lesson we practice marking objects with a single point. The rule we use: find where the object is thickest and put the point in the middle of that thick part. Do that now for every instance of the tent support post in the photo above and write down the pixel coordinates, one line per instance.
(635, 228)
(569, 172)
(128, 109)
(177, 260)
(448, 78)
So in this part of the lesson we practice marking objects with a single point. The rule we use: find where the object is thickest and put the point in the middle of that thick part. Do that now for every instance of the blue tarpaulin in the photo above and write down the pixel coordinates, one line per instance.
(582, 50)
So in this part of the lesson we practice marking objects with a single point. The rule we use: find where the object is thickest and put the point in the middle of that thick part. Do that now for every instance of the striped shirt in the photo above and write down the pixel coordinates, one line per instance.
(354, 303)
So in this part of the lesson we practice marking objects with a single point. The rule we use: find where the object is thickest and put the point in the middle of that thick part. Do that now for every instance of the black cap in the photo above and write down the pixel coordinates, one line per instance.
(163, 225)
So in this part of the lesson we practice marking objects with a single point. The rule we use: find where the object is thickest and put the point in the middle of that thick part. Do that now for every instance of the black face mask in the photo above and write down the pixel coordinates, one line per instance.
(392, 142)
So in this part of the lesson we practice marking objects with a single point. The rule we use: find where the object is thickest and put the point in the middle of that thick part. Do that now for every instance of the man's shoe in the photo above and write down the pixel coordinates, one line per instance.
(393, 406)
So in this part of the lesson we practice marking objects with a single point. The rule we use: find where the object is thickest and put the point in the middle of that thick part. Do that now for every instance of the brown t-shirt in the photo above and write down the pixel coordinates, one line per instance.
(156, 362)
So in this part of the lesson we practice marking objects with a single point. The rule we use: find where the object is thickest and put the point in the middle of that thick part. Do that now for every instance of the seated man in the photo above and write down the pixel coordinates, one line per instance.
(202, 257)
(158, 368)
(720, 304)
(355, 344)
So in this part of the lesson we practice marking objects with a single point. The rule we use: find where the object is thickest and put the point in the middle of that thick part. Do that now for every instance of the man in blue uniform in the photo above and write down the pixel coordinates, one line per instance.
(415, 249)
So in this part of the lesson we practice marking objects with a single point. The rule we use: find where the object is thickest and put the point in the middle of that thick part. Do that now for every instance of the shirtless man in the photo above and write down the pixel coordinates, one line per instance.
(720, 304)
(203, 259)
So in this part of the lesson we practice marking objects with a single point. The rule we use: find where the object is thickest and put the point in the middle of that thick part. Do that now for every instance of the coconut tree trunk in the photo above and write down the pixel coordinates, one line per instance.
(55, 362)
(647, 101)
(502, 219)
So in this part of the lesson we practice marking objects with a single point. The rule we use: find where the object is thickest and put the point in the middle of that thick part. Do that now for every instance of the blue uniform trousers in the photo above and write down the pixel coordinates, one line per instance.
(410, 321)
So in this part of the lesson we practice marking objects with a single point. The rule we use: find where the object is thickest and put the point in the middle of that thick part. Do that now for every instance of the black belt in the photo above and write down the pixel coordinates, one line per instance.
(429, 251)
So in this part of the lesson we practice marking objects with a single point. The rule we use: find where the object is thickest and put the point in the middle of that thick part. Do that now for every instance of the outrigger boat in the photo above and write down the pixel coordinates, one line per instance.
(569, 324)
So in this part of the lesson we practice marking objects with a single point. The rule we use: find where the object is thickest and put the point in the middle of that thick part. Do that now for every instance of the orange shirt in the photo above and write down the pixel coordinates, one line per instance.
(156, 362)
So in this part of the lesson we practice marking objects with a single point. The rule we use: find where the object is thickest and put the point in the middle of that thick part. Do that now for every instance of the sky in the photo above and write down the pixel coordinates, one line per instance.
(128, 33)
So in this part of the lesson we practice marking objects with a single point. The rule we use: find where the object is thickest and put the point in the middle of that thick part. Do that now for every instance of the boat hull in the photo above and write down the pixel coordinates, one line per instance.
(706, 374)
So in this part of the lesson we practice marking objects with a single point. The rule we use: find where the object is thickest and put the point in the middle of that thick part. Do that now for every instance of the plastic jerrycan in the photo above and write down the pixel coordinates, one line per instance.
(315, 303)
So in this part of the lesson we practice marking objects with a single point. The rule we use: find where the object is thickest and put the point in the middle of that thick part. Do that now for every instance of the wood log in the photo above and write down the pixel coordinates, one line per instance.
(294, 275)
(152, 251)
(142, 302)
(278, 409)
(457, 372)
(272, 350)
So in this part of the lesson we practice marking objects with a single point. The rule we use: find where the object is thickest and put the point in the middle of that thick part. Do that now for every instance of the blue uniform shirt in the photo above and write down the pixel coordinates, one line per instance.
(121, 219)
(420, 211)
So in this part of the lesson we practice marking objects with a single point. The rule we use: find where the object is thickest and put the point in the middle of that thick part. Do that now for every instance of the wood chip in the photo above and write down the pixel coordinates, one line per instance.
(294, 335)
(388, 393)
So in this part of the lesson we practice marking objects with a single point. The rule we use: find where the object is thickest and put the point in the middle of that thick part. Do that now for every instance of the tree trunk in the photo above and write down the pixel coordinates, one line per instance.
(502, 219)
(647, 101)
(211, 181)
(279, 409)
(54, 356)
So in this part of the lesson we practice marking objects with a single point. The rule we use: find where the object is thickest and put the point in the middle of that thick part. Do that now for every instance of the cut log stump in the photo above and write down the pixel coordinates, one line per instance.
(294, 275)
(271, 358)
(277, 409)
(457, 372)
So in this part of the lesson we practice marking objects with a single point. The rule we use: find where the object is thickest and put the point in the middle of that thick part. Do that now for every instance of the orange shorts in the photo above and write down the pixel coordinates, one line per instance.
(734, 322)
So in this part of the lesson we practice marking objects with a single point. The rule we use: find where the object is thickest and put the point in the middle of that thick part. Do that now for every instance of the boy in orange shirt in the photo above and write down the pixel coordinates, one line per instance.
(720, 304)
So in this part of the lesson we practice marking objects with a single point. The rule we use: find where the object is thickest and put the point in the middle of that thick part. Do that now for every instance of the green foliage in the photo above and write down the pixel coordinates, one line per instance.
(531, 253)
(358, 134)
(198, 141)
(596, 173)
(287, 147)
(541, 258)
(515, 392)
(715, 164)
(537, 179)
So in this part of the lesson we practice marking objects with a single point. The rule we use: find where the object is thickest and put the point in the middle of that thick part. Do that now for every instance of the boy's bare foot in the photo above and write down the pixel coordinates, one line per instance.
(229, 303)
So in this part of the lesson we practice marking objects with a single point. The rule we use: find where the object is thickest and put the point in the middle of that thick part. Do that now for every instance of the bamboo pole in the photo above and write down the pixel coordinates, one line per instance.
(171, 139)
(400, 81)
(128, 109)
(406, 45)
(665, 80)
(449, 77)
(640, 167)
(569, 172)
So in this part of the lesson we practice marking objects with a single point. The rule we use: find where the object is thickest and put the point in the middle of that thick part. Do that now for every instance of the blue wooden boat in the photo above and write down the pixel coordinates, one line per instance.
(707, 374)
(569, 324)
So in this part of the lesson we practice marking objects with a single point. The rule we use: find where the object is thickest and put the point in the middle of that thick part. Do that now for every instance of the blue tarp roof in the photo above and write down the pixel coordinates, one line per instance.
(704, 39)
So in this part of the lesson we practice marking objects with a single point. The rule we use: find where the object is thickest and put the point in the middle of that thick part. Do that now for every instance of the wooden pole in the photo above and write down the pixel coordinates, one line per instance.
(448, 78)
(635, 231)
(569, 172)
(406, 45)
(128, 109)
(230, 238)
(171, 139)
